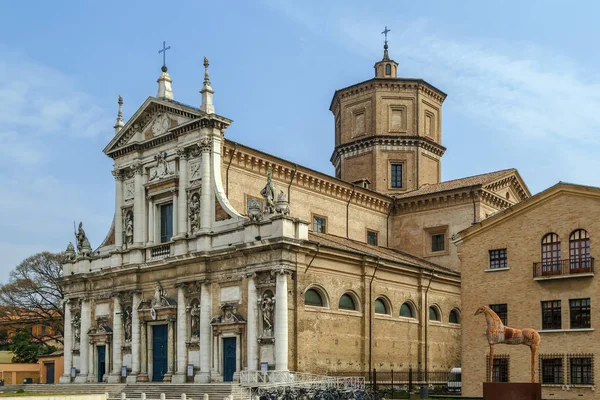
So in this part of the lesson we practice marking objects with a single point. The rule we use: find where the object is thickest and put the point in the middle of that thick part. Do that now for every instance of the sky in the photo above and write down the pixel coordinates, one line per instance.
(521, 78)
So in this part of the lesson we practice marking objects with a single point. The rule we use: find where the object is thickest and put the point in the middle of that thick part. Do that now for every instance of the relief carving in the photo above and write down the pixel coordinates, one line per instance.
(161, 169)
(194, 212)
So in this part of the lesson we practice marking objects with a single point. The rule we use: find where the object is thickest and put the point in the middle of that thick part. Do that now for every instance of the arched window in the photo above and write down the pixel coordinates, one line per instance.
(454, 317)
(434, 314)
(381, 307)
(579, 251)
(347, 302)
(551, 254)
(406, 310)
(313, 298)
(388, 69)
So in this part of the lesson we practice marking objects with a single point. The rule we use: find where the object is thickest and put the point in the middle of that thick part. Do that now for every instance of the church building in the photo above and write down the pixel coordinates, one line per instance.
(222, 258)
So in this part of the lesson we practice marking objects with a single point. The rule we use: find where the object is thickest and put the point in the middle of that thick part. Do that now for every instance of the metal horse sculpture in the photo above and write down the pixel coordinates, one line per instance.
(498, 333)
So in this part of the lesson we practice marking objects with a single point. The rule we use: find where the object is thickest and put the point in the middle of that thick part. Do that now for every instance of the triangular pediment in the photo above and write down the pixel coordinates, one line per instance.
(156, 117)
(509, 186)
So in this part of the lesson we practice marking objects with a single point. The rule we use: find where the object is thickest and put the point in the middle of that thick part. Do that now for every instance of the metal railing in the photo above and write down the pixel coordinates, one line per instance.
(571, 266)
(271, 379)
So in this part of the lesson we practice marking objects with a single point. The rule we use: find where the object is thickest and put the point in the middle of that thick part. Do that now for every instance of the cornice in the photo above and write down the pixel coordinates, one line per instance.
(437, 200)
(506, 182)
(387, 140)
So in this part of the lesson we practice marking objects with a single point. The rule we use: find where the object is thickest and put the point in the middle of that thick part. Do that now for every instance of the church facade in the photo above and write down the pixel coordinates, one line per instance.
(222, 258)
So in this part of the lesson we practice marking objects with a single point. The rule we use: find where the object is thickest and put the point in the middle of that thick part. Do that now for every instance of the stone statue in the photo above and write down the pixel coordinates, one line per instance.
(268, 193)
(498, 333)
(76, 324)
(267, 305)
(254, 210)
(194, 212)
(160, 297)
(129, 227)
(282, 206)
(127, 320)
(195, 314)
(162, 166)
(80, 237)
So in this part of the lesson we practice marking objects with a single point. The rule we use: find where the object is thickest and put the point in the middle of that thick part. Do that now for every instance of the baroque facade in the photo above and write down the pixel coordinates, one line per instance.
(222, 258)
(534, 265)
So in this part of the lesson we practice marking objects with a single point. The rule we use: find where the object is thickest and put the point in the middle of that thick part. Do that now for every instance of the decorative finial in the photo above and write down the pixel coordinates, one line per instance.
(164, 53)
(385, 44)
(207, 92)
(164, 82)
(120, 124)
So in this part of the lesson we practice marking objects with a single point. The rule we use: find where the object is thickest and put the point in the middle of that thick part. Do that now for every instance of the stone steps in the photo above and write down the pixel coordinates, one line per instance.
(89, 388)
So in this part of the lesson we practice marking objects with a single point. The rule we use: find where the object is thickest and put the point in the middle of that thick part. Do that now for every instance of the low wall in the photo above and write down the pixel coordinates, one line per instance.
(64, 397)
(13, 373)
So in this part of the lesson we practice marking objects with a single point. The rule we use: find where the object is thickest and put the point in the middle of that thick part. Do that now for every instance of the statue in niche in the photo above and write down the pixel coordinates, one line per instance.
(268, 193)
(283, 206)
(194, 212)
(127, 320)
(162, 166)
(267, 305)
(129, 227)
(195, 314)
(76, 324)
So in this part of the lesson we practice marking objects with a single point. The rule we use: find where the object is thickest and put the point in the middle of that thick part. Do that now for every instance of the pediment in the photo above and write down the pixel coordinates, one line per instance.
(155, 118)
(510, 187)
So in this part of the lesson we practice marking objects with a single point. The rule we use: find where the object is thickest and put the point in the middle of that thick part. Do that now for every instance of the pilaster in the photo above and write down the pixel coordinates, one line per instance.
(205, 194)
(84, 342)
(115, 376)
(281, 321)
(252, 357)
(205, 334)
(180, 375)
(135, 339)
(118, 203)
(138, 205)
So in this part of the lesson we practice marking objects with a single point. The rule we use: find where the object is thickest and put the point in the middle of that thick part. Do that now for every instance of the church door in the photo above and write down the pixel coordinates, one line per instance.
(101, 362)
(229, 350)
(159, 352)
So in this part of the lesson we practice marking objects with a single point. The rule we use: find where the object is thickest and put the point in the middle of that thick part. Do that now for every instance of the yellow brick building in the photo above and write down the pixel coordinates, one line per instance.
(534, 264)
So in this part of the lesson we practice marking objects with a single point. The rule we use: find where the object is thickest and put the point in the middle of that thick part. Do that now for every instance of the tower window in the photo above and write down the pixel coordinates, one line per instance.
(388, 69)
(396, 175)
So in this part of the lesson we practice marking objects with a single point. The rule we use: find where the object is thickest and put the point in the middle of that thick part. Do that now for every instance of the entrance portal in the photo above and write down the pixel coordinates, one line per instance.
(229, 350)
(159, 352)
(101, 362)
(49, 373)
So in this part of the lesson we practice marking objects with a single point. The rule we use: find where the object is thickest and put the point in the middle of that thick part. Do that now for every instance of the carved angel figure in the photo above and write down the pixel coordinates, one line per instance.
(194, 212)
(162, 166)
(129, 228)
(268, 193)
(266, 306)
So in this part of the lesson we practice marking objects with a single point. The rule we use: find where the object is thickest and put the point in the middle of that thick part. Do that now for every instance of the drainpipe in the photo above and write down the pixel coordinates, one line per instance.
(227, 170)
(348, 209)
(426, 329)
(387, 222)
(371, 319)
(313, 257)
(291, 180)
(474, 206)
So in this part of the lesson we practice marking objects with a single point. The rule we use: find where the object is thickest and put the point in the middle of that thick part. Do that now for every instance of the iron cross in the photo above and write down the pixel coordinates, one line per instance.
(385, 32)
(164, 52)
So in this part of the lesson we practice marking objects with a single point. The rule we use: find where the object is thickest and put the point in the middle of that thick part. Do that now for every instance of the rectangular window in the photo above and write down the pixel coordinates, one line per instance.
(552, 371)
(551, 315)
(502, 311)
(498, 258)
(396, 175)
(500, 368)
(166, 222)
(438, 242)
(581, 370)
(372, 238)
(319, 224)
(580, 312)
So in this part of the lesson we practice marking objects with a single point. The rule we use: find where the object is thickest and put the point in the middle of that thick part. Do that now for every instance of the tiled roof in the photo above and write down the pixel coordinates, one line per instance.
(457, 183)
(386, 253)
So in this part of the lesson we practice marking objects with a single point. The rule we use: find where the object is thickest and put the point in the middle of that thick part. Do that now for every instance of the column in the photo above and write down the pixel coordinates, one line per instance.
(151, 229)
(107, 361)
(138, 206)
(181, 336)
(143, 377)
(175, 212)
(91, 375)
(281, 322)
(170, 347)
(116, 340)
(252, 325)
(84, 342)
(183, 180)
(135, 339)
(118, 213)
(205, 331)
(205, 200)
(68, 344)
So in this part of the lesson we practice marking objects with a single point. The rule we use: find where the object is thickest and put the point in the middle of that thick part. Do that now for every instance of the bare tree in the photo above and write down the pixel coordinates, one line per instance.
(33, 296)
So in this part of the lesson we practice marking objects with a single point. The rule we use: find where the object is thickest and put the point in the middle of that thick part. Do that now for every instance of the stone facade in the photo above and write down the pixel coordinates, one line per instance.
(566, 210)
(222, 258)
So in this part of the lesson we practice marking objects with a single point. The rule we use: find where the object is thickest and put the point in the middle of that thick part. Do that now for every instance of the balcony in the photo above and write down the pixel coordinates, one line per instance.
(160, 251)
(569, 268)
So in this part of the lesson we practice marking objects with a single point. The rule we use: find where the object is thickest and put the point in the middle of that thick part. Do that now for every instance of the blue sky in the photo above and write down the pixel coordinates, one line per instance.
(521, 77)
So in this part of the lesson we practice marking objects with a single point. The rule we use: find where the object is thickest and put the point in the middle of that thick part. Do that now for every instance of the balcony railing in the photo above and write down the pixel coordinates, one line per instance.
(569, 267)
(160, 251)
